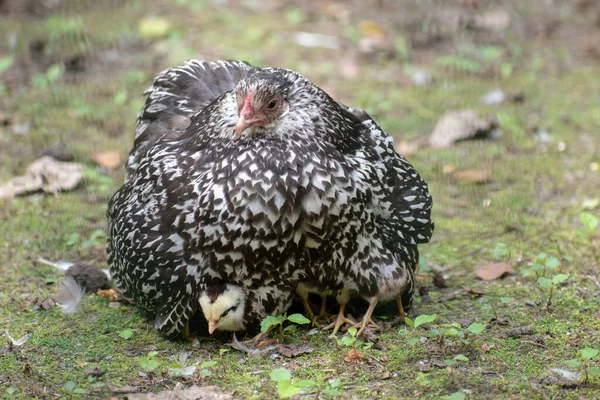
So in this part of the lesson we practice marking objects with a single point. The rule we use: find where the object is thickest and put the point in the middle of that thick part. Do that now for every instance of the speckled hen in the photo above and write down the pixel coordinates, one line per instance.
(244, 182)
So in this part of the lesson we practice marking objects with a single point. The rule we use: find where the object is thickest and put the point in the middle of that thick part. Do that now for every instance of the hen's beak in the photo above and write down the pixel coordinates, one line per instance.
(243, 124)
(212, 325)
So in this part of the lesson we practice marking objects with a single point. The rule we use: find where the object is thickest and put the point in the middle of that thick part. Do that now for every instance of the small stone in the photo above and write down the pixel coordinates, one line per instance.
(530, 303)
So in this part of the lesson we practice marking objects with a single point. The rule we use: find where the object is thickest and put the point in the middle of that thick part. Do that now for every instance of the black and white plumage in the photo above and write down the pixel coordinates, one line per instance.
(244, 182)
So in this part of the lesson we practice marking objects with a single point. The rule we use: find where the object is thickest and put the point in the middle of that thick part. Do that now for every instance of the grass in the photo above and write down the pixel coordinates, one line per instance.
(531, 204)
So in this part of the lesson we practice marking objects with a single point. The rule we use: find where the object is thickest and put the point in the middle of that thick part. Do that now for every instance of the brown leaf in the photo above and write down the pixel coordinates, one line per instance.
(46, 174)
(107, 159)
(354, 355)
(122, 389)
(493, 271)
(459, 125)
(180, 393)
(264, 343)
(110, 294)
(292, 350)
(47, 303)
(473, 175)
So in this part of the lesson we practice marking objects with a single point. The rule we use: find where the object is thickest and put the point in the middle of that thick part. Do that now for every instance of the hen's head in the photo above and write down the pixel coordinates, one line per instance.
(263, 101)
(223, 307)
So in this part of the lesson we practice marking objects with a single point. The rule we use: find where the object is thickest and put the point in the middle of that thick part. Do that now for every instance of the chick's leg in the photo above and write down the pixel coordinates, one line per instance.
(343, 298)
(400, 308)
(367, 319)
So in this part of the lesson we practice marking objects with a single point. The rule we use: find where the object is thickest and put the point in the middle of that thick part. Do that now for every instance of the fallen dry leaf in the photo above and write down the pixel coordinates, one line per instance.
(122, 389)
(472, 175)
(292, 350)
(110, 294)
(264, 343)
(354, 355)
(459, 125)
(47, 303)
(453, 295)
(46, 174)
(180, 393)
(107, 159)
(493, 271)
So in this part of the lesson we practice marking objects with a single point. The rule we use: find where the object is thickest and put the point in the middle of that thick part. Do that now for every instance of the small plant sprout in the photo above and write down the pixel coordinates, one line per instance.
(148, 363)
(288, 387)
(590, 225)
(420, 320)
(358, 346)
(126, 334)
(543, 264)
(205, 371)
(550, 284)
(585, 355)
(270, 322)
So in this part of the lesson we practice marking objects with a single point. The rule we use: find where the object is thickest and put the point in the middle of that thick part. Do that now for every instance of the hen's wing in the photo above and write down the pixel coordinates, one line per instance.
(405, 202)
(176, 95)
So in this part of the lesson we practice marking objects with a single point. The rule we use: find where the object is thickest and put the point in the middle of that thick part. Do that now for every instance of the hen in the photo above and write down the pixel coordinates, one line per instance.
(245, 182)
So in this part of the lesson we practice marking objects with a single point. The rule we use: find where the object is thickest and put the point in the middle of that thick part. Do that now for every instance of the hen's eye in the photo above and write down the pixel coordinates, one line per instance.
(271, 105)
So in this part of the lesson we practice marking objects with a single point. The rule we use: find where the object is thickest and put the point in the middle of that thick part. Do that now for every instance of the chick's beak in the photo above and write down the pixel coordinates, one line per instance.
(212, 326)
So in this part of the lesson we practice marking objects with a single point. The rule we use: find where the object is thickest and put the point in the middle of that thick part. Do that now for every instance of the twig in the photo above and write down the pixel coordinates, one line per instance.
(534, 343)
(493, 373)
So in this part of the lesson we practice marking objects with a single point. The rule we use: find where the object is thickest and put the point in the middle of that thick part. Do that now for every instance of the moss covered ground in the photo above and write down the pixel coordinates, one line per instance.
(71, 78)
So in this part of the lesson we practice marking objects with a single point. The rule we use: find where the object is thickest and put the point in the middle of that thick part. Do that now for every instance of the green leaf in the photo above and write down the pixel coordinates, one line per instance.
(589, 221)
(455, 396)
(6, 63)
(347, 340)
(126, 334)
(152, 354)
(409, 322)
(333, 392)
(581, 232)
(205, 372)
(461, 357)
(55, 72)
(541, 256)
(80, 391)
(573, 363)
(560, 278)
(286, 389)
(290, 328)
(588, 353)
(402, 331)
(552, 263)
(352, 331)
(450, 362)
(424, 319)
(149, 365)
(476, 328)
(306, 383)
(294, 16)
(223, 351)
(69, 386)
(120, 98)
(208, 364)
(413, 341)
(593, 371)
(545, 282)
(298, 319)
(451, 332)
(268, 322)
(280, 374)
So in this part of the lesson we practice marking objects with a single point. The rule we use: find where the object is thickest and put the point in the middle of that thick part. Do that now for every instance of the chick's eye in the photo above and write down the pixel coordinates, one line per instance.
(227, 311)
(271, 104)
